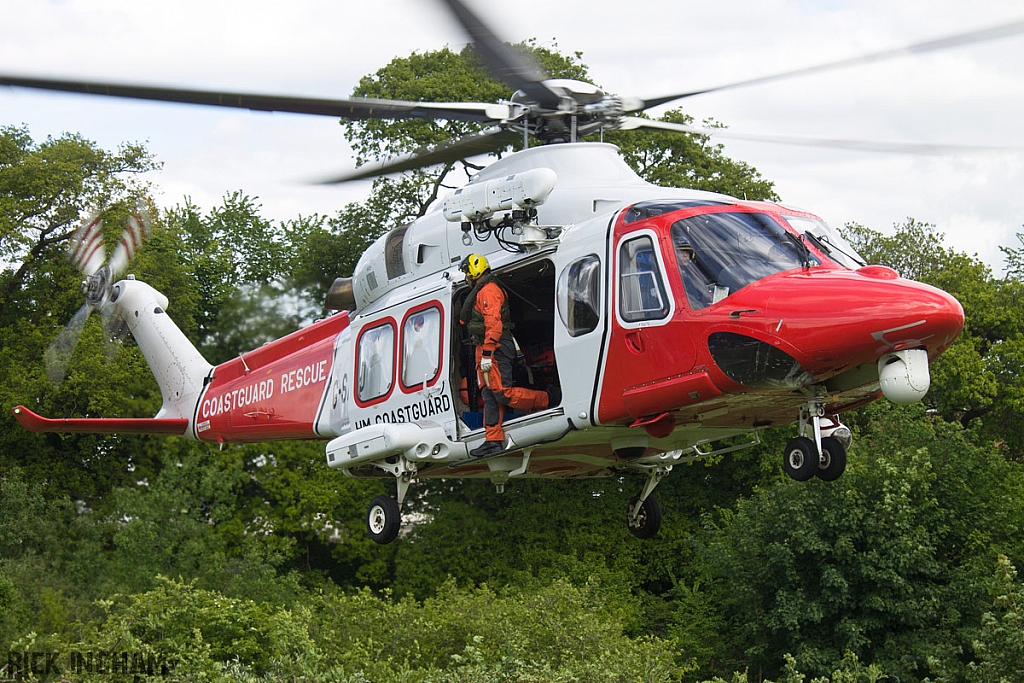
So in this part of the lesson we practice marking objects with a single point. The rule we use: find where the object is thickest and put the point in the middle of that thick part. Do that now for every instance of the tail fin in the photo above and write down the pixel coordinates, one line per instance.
(180, 370)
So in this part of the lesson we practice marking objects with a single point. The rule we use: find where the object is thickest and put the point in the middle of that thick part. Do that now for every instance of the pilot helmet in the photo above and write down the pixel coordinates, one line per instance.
(683, 246)
(474, 266)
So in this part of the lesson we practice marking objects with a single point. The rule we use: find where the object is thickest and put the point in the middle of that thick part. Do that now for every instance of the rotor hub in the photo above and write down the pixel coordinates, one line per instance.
(97, 287)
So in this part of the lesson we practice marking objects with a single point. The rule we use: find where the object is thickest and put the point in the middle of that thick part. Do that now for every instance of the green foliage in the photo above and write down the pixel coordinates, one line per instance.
(1000, 647)
(850, 670)
(1015, 260)
(235, 262)
(673, 159)
(557, 633)
(885, 563)
(977, 380)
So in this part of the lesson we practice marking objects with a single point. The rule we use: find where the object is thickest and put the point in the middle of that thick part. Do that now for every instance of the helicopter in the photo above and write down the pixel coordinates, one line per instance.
(675, 324)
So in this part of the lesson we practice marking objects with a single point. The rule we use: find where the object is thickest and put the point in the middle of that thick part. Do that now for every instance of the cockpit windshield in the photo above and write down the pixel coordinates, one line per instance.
(827, 240)
(720, 253)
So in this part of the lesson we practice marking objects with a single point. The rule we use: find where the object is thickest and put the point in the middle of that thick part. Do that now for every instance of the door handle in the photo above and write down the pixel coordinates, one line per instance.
(635, 341)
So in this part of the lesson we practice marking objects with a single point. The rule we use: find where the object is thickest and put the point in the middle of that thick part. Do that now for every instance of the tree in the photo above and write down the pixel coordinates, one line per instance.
(1000, 647)
(44, 191)
(977, 380)
(888, 563)
(673, 159)
(556, 633)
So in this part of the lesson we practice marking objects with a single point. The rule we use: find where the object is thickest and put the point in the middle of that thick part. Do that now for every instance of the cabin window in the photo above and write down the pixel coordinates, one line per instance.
(376, 362)
(579, 295)
(421, 347)
(641, 285)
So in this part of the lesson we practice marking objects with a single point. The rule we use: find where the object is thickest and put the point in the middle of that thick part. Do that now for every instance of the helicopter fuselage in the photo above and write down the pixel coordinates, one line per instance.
(664, 321)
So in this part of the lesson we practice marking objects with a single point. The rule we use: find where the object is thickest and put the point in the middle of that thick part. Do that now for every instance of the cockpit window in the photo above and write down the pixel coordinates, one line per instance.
(641, 288)
(828, 240)
(720, 253)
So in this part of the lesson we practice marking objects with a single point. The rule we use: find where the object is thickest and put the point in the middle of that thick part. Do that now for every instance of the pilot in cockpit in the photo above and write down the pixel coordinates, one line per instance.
(694, 281)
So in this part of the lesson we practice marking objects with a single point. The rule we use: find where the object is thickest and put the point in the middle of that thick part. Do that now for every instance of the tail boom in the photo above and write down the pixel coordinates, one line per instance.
(274, 392)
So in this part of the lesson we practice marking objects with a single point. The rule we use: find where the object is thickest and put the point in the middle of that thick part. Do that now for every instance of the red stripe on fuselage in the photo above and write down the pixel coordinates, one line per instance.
(272, 392)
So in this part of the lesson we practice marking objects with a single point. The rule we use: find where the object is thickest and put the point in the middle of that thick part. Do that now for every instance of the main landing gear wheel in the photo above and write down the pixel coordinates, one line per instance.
(383, 519)
(832, 463)
(801, 461)
(648, 520)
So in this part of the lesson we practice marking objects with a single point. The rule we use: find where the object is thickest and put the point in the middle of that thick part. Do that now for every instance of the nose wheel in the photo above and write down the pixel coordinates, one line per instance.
(800, 460)
(832, 462)
(818, 451)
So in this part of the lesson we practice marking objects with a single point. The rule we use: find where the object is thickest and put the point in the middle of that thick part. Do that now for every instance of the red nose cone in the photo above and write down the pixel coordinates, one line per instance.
(836, 319)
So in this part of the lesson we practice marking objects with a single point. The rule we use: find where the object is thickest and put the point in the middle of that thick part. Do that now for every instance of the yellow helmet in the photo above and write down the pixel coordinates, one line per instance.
(474, 266)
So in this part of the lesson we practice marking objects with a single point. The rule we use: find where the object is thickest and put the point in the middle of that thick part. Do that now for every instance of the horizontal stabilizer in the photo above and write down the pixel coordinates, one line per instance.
(99, 425)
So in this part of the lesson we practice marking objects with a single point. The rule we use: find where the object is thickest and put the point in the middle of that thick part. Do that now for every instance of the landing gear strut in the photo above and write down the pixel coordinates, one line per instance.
(818, 451)
(644, 513)
(384, 516)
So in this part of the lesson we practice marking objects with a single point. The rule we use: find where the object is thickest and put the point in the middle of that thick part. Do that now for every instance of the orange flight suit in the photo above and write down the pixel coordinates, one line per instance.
(498, 343)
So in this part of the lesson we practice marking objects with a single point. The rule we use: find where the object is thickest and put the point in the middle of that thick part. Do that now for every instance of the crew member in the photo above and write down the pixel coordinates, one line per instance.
(486, 315)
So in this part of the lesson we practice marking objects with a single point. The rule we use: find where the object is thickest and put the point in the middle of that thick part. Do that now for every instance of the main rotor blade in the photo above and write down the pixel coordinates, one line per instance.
(363, 108)
(510, 66)
(632, 123)
(491, 140)
(957, 40)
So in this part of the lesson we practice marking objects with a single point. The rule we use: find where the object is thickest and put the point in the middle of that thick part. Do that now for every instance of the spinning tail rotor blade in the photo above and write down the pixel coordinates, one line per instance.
(58, 353)
(86, 248)
(87, 254)
(135, 231)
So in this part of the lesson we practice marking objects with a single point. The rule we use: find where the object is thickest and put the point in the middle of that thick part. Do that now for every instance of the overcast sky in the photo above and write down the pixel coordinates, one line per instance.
(968, 95)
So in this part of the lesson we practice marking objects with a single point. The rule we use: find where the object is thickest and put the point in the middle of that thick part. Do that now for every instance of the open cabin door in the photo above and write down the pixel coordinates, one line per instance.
(530, 291)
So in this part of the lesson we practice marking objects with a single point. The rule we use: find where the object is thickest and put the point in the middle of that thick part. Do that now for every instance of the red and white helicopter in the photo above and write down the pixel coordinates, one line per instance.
(669, 319)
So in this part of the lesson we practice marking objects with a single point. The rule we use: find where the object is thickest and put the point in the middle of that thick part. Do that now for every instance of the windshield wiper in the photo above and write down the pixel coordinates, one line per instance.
(826, 246)
(801, 247)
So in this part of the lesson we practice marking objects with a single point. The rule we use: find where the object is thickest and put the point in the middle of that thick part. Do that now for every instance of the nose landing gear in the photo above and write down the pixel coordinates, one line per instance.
(820, 450)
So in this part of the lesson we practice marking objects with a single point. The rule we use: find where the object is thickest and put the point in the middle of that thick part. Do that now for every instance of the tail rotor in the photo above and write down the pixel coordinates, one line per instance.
(87, 254)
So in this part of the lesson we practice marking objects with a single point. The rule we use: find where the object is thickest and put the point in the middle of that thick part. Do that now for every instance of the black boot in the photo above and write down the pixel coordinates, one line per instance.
(554, 395)
(488, 448)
